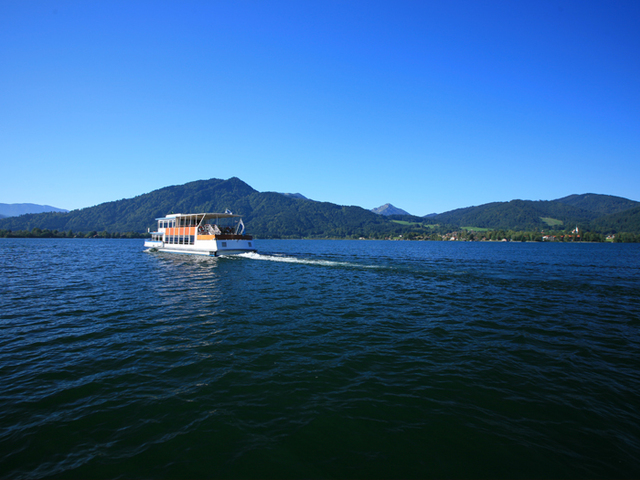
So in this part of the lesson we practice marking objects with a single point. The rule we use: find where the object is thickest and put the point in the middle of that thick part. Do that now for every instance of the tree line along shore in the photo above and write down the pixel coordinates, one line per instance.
(466, 235)
(46, 233)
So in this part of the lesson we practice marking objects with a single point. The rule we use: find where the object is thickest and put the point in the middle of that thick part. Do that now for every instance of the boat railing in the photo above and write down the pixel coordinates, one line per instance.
(233, 236)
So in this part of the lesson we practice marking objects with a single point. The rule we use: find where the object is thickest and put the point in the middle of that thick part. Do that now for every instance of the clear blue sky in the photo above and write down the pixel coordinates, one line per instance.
(430, 106)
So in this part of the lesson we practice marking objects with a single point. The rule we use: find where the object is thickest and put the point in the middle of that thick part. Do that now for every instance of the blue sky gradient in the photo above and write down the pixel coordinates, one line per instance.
(430, 106)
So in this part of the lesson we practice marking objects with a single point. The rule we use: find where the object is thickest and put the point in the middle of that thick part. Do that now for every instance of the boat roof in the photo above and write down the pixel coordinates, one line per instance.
(206, 216)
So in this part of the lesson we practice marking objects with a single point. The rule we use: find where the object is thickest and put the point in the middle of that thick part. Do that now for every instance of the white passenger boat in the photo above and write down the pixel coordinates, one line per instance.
(210, 234)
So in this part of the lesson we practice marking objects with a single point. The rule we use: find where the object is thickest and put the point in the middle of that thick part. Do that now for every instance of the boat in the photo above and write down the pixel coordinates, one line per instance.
(210, 234)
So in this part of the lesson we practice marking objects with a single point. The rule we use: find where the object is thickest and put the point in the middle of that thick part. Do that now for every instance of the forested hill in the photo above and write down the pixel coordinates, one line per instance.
(134, 214)
(601, 213)
(626, 221)
(516, 215)
(267, 214)
(599, 204)
(275, 215)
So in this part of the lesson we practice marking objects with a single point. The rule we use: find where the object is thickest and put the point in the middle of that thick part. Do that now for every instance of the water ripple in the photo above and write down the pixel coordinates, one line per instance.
(319, 359)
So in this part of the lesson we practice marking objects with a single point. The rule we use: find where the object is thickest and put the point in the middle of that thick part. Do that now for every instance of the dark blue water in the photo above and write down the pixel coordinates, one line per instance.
(320, 359)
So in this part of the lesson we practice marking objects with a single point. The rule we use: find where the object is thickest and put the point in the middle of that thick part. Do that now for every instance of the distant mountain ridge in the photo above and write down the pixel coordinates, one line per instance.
(600, 204)
(277, 215)
(388, 209)
(588, 209)
(266, 214)
(15, 209)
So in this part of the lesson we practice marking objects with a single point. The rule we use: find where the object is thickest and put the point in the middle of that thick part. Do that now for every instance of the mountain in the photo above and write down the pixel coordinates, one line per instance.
(295, 195)
(15, 209)
(600, 204)
(267, 215)
(388, 209)
(515, 215)
(275, 215)
(597, 212)
(625, 221)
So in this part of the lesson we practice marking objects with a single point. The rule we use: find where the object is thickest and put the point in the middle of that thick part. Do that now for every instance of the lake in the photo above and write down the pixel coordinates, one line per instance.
(320, 359)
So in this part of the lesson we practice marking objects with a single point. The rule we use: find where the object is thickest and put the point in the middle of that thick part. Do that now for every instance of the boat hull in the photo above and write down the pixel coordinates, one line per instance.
(210, 248)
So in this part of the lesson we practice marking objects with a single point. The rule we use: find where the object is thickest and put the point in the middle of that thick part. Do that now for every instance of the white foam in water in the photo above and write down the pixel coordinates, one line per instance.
(304, 261)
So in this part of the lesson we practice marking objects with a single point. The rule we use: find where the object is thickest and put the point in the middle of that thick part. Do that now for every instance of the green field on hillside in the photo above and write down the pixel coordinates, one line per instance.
(552, 222)
(404, 222)
(415, 224)
(476, 229)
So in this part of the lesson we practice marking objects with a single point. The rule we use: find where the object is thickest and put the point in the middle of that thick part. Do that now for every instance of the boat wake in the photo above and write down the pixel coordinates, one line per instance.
(304, 261)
